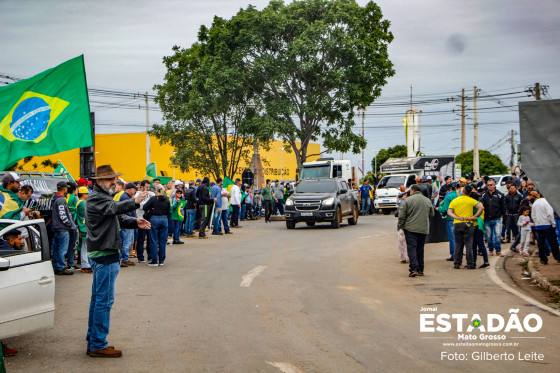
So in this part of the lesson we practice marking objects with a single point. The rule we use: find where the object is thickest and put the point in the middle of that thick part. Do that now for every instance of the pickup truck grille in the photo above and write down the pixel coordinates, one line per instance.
(305, 205)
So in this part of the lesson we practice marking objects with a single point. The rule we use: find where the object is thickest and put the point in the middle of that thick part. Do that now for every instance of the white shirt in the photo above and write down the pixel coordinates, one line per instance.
(542, 213)
(225, 200)
(140, 211)
(235, 195)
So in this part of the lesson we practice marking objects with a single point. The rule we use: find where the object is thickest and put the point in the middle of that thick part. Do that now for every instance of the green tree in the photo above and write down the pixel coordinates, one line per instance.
(211, 118)
(397, 151)
(21, 164)
(311, 64)
(489, 164)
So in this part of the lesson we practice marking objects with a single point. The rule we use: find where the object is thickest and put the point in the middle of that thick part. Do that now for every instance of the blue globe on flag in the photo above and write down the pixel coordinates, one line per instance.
(30, 118)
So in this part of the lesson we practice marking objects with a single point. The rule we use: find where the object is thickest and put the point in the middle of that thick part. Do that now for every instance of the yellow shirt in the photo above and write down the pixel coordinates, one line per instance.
(117, 196)
(463, 207)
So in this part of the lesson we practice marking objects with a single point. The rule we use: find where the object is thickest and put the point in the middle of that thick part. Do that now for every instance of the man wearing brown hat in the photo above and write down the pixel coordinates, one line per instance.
(103, 219)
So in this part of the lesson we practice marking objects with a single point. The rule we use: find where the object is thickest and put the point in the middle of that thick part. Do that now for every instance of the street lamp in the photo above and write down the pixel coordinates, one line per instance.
(281, 164)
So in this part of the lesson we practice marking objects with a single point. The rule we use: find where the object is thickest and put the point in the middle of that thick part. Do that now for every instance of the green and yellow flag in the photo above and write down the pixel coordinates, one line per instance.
(227, 183)
(61, 169)
(45, 114)
(151, 174)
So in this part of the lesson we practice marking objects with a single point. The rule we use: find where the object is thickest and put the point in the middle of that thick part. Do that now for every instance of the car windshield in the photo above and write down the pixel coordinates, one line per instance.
(392, 182)
(316, 171)
(323, 186)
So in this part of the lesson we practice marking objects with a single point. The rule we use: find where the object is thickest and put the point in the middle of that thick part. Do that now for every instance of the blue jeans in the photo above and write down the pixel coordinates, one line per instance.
(158, 237)
(257, 210)
(142, 236)
(243, 213)
(61, 239)
(102, 298)
(557, 229)
(493, 227)
(127, 238)
(451, 236)
(176, 229)
(225, 217)
(169, 225)
(71, 251)
(189, 222)
(279, 207)
(216, 221)
(365, 205)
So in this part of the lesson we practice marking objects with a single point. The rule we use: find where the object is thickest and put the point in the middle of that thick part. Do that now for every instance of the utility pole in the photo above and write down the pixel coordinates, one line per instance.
(148, 153)
(463, 143)
(363, 137)
(538, 91)
(512, 159)
(476, 166)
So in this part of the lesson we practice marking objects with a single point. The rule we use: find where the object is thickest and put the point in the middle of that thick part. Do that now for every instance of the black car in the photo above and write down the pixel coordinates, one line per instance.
(322, 200)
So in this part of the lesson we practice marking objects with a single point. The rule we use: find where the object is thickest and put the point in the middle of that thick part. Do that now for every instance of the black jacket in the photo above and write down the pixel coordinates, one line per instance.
(104, 218)
(203, 195)
(494, 205)
(157, 205)
(190, 197)
(513, 201)
(61, 218)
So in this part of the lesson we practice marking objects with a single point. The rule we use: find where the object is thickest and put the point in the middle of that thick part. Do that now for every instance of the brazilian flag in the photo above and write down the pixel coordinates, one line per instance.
(46, 114)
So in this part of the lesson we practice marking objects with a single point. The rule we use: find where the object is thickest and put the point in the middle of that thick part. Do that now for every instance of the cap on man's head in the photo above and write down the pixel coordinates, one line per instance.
(83, 190)
(198, 180)
(429, 178)
(463, 180)
(534, 194)
(178, 182)
(62, 184)
(82, 182)
(11, 177)
(424, 178)
(131, 186)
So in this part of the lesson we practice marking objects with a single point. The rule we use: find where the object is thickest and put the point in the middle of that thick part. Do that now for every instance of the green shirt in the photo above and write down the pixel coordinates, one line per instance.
(72, 201)
(80, 218)
(177, 209)
(266, 193)
(445, 204)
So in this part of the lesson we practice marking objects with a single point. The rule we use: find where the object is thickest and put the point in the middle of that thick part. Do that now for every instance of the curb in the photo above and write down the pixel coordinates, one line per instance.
(538, 278)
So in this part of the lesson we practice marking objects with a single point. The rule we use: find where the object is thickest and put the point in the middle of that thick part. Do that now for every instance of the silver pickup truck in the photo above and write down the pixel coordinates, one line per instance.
(26, 281)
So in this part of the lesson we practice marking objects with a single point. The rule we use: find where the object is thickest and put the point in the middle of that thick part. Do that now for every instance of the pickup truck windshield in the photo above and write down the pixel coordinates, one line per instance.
(316, 171)
(323, 186)
(392, 182)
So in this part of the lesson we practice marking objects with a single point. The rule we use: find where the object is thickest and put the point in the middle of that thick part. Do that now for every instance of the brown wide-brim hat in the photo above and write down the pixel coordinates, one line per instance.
(105, 172)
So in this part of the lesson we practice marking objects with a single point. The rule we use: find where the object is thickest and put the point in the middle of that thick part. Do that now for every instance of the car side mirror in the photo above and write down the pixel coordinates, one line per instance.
(343, 191)
(4, 264)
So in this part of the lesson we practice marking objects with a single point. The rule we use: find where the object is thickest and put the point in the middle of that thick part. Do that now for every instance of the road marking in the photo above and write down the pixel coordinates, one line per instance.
(359, 238)
(247, 279)
(285, 367)
(494, 276)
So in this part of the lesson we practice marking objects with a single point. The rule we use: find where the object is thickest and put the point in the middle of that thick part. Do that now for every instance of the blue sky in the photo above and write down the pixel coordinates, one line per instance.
(439, 48)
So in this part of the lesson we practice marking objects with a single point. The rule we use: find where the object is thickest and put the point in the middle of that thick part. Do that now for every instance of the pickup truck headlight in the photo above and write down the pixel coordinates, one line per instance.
(328, 201)
(289, 202)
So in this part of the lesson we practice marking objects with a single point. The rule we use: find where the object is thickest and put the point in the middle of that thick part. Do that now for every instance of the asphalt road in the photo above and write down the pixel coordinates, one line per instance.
(306, 300)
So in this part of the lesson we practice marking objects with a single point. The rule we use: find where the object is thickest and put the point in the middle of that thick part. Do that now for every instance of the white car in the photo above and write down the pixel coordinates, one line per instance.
(26, 281)
(501, 181)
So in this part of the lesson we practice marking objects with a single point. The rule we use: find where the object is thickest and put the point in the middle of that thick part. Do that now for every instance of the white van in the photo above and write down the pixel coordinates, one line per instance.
(388, 189)
(326, 168)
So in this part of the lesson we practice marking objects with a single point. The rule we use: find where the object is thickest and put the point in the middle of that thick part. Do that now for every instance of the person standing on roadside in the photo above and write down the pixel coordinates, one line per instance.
(103, 218)
(235, 203)
(127, 235)
(63, 224)
(444, 206)
(156, 210)
(462, 210)
(177, 215)
(190, 210)
(216, 195)
(494, 210)
(266, 195)
(414, 219)
(143, 234)
(545, 227)
(83, 194)
(204, 206)
(278, 194)
(225, 210)
(365, 200)
(512, 203)
(72, 200)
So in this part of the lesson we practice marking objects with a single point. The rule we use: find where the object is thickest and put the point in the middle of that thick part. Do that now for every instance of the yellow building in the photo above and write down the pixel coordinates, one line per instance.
(126, 152)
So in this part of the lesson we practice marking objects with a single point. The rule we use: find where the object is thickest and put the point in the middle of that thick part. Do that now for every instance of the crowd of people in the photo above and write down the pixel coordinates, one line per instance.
(109, 222)
(479, 219)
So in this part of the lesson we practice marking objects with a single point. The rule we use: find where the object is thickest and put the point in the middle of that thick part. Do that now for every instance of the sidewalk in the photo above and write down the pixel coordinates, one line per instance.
(546, 276)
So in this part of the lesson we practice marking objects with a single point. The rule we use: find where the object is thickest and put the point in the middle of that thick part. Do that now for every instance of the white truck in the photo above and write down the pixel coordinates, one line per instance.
(404, 171)
(27, 282)
(328, 168)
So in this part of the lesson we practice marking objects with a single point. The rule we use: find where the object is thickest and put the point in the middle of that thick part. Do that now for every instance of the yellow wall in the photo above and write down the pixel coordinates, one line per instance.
(126, 153)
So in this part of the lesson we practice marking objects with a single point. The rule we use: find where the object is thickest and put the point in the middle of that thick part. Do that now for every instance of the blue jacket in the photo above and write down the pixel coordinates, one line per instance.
(216, 192)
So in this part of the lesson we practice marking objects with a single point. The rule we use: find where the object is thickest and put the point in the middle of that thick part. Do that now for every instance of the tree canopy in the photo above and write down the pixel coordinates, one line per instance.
(489, 164)
(211, 117)
(311, 64)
